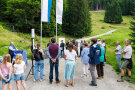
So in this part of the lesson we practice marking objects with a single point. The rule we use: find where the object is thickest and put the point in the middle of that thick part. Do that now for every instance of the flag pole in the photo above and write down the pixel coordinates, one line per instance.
(56, 31)
(41, 25)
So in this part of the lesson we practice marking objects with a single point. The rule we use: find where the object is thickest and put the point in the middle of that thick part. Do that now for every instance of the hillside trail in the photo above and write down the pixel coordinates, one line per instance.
(88, 38)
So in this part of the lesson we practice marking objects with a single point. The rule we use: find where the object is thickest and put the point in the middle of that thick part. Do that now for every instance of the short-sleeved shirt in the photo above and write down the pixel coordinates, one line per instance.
(70, 55)
(19, 68)
(119, 50)
(128, 50)
(103, 44)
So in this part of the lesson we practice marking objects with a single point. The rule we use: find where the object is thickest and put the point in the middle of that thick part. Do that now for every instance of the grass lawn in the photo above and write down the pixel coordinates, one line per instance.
(99, 27)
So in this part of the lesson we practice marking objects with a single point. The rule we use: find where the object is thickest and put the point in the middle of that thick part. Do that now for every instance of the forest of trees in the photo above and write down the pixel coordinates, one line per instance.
(26, 14)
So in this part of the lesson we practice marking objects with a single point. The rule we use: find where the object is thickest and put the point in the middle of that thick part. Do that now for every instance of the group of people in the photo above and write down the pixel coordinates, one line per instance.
(6, 70)
(127, 59)
(92, 56)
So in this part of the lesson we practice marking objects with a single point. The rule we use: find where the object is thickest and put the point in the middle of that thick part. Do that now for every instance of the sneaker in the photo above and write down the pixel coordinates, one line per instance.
(129, 79)
(35, 80)
(50, 82)
(92, 84)
(41, 80)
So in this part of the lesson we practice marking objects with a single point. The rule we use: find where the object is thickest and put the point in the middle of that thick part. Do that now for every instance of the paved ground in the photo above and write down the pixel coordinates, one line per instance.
(108, 83)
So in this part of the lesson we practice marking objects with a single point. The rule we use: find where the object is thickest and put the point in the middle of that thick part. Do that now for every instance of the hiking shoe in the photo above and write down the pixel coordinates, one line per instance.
(58, 82)
(92, 84)
(121, 80)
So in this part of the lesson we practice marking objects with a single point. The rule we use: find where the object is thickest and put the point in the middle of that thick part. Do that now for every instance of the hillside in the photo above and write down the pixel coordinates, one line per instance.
(22, 40)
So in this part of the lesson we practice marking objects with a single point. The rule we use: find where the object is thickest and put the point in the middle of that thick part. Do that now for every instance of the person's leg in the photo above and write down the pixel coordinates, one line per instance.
(51, 71)
(129, 74)
(119, 60)
(18, 85)
(98, 70)
(4, 87)
(23, 84)
(57, 70)
(67, 83)
(36, 70)
(102, 69)
(41, 68)
(84, 69)
(92, 70)
(72, 82)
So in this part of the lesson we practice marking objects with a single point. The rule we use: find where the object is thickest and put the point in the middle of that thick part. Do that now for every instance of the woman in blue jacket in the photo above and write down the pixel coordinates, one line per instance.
(95, 53)
(85, 59)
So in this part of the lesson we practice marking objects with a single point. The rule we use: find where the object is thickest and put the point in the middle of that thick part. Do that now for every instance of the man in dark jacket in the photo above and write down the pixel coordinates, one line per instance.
(53, 53)
(95, 53)
(62, 45)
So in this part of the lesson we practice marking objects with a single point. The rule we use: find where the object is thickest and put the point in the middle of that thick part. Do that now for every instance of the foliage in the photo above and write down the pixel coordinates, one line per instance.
(133, 28)
(76, 19)
(113, 12)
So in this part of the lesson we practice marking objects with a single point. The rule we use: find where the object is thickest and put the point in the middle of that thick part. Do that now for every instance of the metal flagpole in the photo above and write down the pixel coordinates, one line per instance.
(41, 25)
(56, 31)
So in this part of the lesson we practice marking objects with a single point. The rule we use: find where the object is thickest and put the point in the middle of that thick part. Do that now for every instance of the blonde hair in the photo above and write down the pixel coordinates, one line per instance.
(5, 59)
(18, 59)
(8, 58)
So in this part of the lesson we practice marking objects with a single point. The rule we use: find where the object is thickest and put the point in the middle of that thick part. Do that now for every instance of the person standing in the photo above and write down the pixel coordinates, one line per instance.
(53, 53)
(18, 70)
(104, 45)
(6, 72)
(95, 53)
(12, 48)
(81, 47)
(100, 68)
(118, 54)
(70, 64)
(48, 43)
(67, 43)
(127, 61)
(39, 62)
(76, 44)
(85, 59)
(62, 45)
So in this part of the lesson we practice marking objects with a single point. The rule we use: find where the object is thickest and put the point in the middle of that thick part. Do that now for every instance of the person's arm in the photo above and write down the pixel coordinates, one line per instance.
(10, 48)
(48, 54)
(24, 67)
(58, 55)
(65, 57)
(13, 69)
(42, 52)
(2, 75)
(10, 69)
(82, 53)
(125, 50)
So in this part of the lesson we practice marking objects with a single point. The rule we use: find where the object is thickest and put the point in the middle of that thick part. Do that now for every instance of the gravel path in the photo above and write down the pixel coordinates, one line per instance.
(110, 32)
(108, 83)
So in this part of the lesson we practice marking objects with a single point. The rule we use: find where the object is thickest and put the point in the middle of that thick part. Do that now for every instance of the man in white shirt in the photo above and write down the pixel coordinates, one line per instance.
(127, 60)
(118, 54)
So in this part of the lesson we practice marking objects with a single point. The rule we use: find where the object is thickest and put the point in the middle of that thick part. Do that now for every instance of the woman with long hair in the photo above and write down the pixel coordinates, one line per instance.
(5, 69)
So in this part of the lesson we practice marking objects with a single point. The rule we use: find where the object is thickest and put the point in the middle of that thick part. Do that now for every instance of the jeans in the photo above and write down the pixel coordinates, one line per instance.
(118, 56)
(62, 53)
(56, 64)
(38, 64)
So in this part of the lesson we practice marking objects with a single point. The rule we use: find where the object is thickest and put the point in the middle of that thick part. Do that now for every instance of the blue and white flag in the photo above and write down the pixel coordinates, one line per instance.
(59, 11)
(46, 10)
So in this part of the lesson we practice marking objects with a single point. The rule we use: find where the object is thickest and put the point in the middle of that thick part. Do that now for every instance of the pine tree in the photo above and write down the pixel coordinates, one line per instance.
(113, 12)
(133, 28)
(76, 20)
